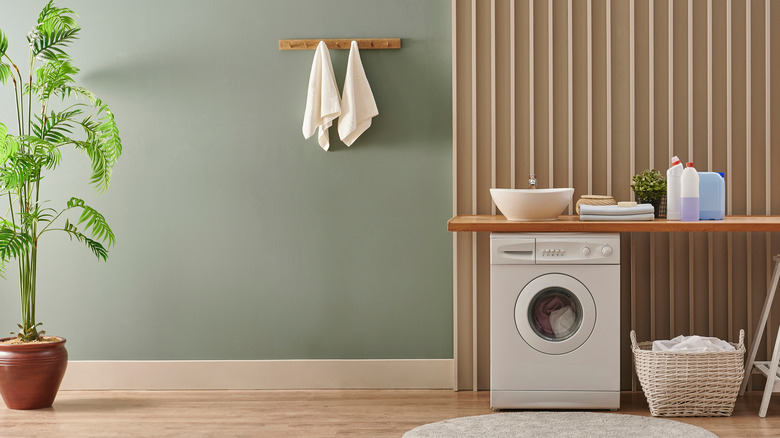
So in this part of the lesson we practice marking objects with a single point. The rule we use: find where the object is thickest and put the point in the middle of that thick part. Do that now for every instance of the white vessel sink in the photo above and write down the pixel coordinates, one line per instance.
(532, 204)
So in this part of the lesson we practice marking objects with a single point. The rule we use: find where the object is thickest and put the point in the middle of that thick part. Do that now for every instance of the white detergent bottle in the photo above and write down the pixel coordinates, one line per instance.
(673, 190)
(689, 194)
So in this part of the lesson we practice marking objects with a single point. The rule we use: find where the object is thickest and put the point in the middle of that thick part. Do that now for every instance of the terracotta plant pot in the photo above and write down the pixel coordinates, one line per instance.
(30, 374)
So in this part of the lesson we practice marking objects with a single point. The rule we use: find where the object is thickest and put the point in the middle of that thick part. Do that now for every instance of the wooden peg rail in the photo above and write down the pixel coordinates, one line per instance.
(341, 43)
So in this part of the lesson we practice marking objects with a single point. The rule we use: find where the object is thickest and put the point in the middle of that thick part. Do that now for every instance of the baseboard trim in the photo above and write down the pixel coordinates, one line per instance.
(260, 374)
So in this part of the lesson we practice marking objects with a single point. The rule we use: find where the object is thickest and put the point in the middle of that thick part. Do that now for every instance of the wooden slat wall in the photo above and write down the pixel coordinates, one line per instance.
(586, 93)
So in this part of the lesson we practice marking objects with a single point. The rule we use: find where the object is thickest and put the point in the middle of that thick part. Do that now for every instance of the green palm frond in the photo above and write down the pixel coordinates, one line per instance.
(16, 171)
(94, 220)
(42, 153)
(52, 17)
(57, 128)
(36, 214)
(95, 246)
(5, 72)
(12, 245)
(3, 43)
(103, 145)
(72, 90)
(51, 45)
(55, 30)
(54, 75)
(5, 69)
(8, 144)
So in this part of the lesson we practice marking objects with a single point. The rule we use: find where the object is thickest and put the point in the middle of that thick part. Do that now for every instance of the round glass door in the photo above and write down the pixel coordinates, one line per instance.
(555, 313)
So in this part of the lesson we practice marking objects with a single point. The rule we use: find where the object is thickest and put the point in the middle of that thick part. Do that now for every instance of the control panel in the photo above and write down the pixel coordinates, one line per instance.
(589, 251)
(555, 248)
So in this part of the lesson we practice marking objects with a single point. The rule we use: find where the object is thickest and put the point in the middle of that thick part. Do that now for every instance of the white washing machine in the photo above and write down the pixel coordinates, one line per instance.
(555, 321)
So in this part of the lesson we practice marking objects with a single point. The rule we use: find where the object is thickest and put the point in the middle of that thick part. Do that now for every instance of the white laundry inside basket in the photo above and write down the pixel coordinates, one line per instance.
(693, 344)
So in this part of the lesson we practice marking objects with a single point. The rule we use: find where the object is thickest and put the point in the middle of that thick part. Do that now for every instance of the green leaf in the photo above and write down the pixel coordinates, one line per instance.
(17, 170)
(52, 77)
(12, 245)
(55, 30)
(103, 145)
(56, 128)
(96, 248)
(8, 144)
(5, 69)
(5, 72)
(94, 220)
(52, 17)
(50, 46)
(3, 43)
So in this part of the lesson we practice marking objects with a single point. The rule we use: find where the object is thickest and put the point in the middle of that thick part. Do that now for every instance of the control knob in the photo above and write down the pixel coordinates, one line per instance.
(585, 251)
(606, 251)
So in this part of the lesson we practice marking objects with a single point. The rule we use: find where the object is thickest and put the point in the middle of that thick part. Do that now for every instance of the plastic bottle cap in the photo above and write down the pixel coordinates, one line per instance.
(689, 164)
(675, 161)
(722, 175)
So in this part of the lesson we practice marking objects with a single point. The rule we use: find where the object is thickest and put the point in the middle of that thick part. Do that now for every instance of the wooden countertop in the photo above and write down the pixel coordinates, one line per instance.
(573, 224)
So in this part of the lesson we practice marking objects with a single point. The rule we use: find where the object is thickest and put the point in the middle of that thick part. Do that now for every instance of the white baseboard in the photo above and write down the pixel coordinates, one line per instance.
(260, 374)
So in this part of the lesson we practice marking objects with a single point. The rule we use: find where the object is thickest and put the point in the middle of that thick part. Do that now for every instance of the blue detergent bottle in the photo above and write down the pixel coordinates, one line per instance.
(712, 196)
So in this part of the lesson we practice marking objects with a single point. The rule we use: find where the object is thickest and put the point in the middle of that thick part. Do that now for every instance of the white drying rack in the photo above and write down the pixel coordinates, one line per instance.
(767, 368)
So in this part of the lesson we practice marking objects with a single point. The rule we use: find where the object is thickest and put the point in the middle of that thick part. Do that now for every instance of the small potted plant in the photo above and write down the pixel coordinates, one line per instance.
(650, 188)
(52, 113)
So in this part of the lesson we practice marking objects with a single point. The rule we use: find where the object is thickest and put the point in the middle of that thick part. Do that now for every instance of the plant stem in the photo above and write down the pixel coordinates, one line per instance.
(11, 205)
(17, 99)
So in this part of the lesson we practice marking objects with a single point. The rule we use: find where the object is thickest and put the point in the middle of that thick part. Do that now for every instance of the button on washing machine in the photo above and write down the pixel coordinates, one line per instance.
(606, 251)
(585, 251)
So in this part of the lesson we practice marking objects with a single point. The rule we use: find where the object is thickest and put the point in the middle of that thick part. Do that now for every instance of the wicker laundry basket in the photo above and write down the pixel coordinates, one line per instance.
(689, 384)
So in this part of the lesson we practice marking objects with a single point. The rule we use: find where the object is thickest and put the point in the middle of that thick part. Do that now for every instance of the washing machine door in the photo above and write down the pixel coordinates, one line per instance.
(555, 313)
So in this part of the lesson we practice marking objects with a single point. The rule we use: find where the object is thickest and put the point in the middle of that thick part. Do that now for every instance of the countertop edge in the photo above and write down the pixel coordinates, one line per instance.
(498, 223)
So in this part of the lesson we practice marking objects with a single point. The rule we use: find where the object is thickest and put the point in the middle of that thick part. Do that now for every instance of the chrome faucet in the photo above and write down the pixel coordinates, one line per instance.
(532, 181)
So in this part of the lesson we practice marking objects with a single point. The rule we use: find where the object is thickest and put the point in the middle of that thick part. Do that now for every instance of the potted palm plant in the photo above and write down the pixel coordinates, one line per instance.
(52, 113)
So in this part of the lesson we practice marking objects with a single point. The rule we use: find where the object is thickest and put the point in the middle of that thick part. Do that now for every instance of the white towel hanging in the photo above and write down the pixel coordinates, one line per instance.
(357, 104)
(323, 103)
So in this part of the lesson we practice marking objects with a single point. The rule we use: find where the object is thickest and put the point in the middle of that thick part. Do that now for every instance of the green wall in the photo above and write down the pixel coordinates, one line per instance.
(237, 238)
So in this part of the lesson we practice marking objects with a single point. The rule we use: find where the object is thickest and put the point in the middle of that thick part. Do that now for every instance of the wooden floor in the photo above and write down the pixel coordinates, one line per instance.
(299, 414)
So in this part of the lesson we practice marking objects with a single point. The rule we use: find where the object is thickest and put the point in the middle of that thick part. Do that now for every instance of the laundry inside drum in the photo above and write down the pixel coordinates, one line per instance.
(555, 314)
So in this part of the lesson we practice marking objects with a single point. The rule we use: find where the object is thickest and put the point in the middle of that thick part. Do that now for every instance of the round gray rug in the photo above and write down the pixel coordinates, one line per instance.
(558, 425)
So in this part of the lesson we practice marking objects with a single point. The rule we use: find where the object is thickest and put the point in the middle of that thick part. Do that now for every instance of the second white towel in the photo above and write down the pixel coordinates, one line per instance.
(357, 101)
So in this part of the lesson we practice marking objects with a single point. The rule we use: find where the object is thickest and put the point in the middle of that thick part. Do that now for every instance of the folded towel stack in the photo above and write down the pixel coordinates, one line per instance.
(642, 212)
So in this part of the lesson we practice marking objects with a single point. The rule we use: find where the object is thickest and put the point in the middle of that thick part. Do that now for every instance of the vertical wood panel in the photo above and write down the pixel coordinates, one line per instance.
(498, 47)
(512, 97)
(690, 80)
(670, 54)
(531, 84)
(691, 289)
(570, 96)
(632, 153)
(589, 55)
(768, 150)
(550, 103)
(729, 158)
(608, 21)
(748, 161)
(457, 323)
(651, 80)
(710, 262)
(651, 143)
(474, 276)
(493, 102)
